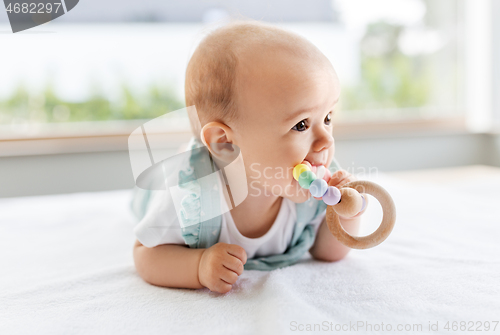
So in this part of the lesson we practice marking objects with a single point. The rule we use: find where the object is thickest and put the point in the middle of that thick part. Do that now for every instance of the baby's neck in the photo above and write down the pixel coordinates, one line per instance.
(256, 214)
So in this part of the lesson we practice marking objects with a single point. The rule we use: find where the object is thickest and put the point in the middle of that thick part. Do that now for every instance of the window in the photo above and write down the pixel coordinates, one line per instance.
(396, 59)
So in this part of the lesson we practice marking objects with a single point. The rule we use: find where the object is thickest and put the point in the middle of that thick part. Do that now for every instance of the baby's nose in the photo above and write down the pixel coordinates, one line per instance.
(324, 141)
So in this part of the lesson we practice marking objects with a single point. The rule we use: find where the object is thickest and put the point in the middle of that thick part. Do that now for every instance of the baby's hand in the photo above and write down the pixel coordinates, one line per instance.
(340, 178)
(220, 266)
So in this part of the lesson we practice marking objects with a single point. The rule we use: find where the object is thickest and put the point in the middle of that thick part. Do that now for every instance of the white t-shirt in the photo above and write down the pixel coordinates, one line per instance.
(160, 225)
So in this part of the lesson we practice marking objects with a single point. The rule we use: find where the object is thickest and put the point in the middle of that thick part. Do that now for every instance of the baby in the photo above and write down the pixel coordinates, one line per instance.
(271, 93)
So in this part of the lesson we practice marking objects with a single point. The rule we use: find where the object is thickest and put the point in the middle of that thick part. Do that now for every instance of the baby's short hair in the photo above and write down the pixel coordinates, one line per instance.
(211, 71)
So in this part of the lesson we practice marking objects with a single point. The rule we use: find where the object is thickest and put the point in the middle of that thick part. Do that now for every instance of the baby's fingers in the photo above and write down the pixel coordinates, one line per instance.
(222, 287)
(228, 276)
(340, 178)
(237, 251)
(234, 264)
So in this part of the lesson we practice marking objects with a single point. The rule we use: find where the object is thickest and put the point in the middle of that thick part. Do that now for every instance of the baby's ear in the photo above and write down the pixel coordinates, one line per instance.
(217, 137)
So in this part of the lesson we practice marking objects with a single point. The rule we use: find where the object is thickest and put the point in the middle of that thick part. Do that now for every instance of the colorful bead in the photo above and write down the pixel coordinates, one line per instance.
(317, 184)
(318, 188)
(332, 196)
(298, 169)
(306, 178)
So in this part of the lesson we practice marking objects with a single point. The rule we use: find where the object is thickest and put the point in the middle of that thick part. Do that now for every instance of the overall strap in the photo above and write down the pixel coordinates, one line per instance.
(201, 217)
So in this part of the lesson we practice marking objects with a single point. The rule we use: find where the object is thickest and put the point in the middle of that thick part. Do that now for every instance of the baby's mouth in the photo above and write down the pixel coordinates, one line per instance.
(314, 166)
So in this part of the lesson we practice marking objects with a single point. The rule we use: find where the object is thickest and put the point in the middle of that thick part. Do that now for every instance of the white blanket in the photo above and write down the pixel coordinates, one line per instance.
(66, 268)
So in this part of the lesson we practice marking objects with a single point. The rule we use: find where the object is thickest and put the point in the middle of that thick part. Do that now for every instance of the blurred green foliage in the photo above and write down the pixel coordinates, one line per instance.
(389, 78)
(390, 81)
(23, 107)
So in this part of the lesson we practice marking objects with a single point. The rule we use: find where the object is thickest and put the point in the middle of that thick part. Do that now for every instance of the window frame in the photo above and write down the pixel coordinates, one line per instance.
(478, 61)
(495, 13)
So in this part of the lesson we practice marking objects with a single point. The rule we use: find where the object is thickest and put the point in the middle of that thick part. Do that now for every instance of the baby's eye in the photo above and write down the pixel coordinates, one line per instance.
(328, 118)
(301, 126)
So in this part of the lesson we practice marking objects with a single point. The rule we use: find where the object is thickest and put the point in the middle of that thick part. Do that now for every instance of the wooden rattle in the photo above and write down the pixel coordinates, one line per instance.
(348, 202)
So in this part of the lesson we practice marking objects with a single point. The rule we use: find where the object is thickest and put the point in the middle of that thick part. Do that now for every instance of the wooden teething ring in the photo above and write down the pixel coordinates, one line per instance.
(383, 231)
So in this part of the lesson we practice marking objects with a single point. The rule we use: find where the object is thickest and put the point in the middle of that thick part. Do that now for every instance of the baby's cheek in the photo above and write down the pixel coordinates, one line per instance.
(278, 183)
(254, 171)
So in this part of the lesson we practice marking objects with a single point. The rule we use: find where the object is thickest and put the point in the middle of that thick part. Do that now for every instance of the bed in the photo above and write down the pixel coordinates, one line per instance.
(67, 268)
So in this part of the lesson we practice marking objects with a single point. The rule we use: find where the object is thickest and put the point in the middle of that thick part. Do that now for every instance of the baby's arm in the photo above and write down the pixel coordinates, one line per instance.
(168, 265)
(172, 265)
(326, 247)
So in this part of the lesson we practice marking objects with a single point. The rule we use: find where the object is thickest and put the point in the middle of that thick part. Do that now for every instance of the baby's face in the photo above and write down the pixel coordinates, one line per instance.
(285, 110)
